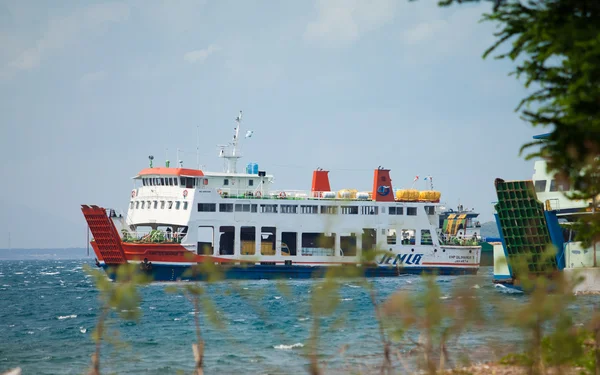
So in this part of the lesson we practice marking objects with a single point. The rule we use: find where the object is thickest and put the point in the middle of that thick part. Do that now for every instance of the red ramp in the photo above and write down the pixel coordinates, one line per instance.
(105, 234)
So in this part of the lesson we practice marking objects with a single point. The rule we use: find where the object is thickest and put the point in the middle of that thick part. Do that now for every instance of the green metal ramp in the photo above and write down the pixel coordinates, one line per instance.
(524, 232)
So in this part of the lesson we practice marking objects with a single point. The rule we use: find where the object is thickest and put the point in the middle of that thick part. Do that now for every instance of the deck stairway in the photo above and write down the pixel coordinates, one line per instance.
(105, 234)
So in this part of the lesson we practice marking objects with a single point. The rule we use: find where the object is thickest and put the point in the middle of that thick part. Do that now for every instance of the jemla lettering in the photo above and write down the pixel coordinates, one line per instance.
(409, 259)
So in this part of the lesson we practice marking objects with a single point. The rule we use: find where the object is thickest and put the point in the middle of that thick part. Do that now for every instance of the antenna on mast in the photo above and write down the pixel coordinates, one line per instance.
(233, 153)
(198, 145)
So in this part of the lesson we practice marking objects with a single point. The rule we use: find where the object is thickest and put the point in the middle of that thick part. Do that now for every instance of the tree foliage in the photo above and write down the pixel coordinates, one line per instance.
(556, 47)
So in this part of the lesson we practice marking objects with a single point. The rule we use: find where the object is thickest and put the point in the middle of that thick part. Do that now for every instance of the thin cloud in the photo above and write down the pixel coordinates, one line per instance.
(342, 22)
(200, 55)
(66, 30)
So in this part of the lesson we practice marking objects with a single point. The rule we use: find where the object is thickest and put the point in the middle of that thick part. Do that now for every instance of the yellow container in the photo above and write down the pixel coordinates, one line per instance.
(347, 193)
(248, 248)
(407, 195)
(429, 196)
(266, 248)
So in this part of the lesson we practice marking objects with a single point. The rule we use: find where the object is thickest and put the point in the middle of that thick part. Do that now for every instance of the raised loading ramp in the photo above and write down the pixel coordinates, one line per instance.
(105, 234)
(523, 226)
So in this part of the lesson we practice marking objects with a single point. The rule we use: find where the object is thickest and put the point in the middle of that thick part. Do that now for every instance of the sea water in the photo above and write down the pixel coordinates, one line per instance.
(49, 309)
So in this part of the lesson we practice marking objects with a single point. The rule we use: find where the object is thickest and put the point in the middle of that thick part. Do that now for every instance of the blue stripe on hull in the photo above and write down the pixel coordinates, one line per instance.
(260, 272)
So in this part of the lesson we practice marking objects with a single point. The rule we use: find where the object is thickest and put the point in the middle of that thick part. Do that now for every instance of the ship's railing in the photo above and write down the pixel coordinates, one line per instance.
(151, 236)
(299, 195)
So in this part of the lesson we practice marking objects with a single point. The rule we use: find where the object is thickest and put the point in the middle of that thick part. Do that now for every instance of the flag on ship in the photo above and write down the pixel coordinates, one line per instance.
(416, 178)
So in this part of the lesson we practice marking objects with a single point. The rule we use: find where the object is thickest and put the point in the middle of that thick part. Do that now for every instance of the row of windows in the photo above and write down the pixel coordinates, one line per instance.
(407, 237)
(540, 186)
(307, 209)
(226, 182)
(187, 182)
(140, 205)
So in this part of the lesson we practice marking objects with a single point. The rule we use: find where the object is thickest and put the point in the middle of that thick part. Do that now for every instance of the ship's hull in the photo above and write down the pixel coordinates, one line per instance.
(174, 272)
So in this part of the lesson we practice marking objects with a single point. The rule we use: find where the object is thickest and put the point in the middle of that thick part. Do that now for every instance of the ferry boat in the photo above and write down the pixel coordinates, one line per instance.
(544, 214)
(462, 225)
(179, 217)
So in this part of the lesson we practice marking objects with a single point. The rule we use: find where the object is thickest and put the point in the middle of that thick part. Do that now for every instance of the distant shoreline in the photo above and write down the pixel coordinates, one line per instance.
(46, 254)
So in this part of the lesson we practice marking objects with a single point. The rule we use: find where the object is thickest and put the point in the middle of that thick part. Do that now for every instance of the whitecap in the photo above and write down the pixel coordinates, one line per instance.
(18, 273)
(79, 297)
(475, 286)
(176, 319)
(152, 308)
(67, 317)
(30, 332)
(277, 297)
(346, 299)
(408, 282)
(49, 273)
(12, 325)
(82, 330)
(353, 286)
(302, 319)
(6, 285)
(239, 320)
(445, 297)
(289, 347)
(505, 289)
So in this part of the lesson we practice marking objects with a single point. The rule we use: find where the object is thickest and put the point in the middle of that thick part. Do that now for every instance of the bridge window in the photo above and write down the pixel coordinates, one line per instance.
(177, 205)
(155, 205)
(309, 209)
(411, 211)
(162, 205)
(143, 204)
(162, 181)
(369, 210)
(226, 182)
(430, 210)
(185, 205)
(540, 186)
(131, 205)
(268, 208)
(225, 207)
(207, 207)
(349, 210)
(253, 208)
(289, 209)
(331, 210)
(553, 186)
(396, 211)
(250, 182)
(242, 207)
(149, 205)
(170, 204)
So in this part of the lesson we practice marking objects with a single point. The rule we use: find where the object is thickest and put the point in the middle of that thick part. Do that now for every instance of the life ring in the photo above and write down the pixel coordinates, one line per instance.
(133, 194)
(185, 193)
(258, 194)
(282, 195)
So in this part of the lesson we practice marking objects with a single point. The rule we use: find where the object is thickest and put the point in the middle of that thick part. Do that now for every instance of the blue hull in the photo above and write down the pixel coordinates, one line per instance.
(261, 272)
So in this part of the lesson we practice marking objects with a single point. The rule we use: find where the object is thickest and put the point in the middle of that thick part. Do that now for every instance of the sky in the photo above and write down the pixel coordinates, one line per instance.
(88, 90)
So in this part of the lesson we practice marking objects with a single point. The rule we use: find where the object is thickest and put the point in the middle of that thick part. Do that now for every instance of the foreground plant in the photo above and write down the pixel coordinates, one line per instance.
(436, 320)
(121, 296)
